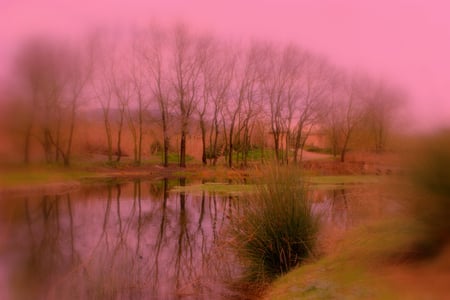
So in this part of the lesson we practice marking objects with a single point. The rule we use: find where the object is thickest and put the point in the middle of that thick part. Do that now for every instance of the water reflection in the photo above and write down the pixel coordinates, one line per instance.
(332, 206)
(134, 240)
(344, 208)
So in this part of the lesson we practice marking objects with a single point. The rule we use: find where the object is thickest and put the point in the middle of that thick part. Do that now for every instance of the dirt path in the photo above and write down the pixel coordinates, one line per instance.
(307, 156)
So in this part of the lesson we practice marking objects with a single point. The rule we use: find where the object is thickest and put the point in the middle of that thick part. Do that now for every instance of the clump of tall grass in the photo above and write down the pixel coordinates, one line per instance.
(432, 176)
(276, 230)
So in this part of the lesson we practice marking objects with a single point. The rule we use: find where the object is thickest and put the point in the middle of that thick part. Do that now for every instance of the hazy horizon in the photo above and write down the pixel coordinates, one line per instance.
(403, 42)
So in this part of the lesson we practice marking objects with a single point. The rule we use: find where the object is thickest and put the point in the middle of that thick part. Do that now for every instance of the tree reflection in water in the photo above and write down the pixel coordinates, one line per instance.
(135, 240)
(138, 240)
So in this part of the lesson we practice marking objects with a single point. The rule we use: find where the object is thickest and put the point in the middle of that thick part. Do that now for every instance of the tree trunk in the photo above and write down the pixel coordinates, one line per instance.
(119, 144)
(287, 141)
(296, 147)
(166, 140)
(183, 149)
(119, 136)
(230, 149)
(108, 134)
(343, 154)
(166, 151)
(26, 149)
(70, 139)
(203, 129)
(344, 147)
(214, 148)
(139, 156)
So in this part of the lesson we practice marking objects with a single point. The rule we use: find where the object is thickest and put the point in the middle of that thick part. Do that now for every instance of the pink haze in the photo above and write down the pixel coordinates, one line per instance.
(403, 41)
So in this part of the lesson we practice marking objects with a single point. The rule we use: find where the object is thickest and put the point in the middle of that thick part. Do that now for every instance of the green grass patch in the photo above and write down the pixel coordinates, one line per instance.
(258, 154)
(330, 182)
(28, 176)
(223, 188)
(255, 155)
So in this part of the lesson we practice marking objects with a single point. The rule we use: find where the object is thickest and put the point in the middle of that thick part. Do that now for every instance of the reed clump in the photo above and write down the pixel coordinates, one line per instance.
(276, 229)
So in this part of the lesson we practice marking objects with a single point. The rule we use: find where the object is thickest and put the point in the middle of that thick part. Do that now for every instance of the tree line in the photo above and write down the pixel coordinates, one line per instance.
(235, 94)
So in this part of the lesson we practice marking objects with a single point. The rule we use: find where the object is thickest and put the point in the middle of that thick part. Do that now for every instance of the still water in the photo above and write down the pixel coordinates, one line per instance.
(134, 240)
(121, 241)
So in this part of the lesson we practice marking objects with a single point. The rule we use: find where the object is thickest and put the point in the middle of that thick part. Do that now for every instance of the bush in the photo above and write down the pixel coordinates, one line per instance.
(432, 177)
(276, 230)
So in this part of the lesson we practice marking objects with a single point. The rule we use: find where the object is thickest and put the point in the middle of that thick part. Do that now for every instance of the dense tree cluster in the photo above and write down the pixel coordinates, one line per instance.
(236, 95)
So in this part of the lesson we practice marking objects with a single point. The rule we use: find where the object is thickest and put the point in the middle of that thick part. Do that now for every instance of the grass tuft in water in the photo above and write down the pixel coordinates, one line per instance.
(277, 229)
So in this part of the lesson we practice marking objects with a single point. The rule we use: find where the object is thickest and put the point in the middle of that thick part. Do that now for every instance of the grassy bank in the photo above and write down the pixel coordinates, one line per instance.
(18, 176)
(406, 258)
(372, 262)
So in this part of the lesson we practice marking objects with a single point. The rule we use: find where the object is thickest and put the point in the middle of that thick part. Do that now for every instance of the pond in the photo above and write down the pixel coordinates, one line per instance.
(133, 240)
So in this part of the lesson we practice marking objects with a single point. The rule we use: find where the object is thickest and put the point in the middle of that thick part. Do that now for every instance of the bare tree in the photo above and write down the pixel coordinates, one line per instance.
(141, 101)
(185, 80)
(234, 92)
(122, 89)
(129, 89)
(206, 53)
(50, 88)
(104, 93)
(381, 106)
(219, 89)
(345, 114)
(216, 76)
(291, 67)
(243, 91)
(80, 73)
(311, 105)
(273, 87)
(28, 67)
(112, 86)
(252, 106)
(52, 78)
(280, 85)
(154, 53)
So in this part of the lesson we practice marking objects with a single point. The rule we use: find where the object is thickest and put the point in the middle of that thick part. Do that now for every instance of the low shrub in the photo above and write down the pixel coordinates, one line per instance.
(276, 230)
(431, 174)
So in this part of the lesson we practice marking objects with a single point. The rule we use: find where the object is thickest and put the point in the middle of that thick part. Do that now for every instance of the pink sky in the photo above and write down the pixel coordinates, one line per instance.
(404, 41)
